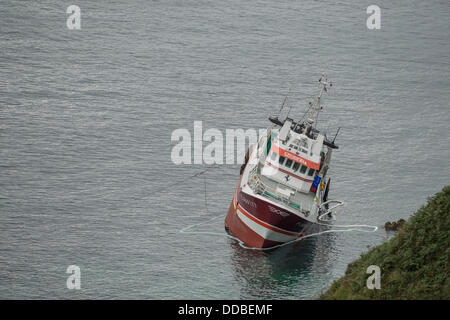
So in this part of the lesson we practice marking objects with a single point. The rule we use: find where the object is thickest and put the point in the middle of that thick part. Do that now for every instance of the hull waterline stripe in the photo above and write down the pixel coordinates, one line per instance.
(262, 232)
(266, 225)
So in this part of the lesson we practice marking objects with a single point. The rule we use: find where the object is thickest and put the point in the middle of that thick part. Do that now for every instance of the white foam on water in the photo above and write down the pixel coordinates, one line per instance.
(347, 228)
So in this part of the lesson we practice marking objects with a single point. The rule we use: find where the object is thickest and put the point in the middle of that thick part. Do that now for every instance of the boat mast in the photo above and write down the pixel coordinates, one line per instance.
(312, 113)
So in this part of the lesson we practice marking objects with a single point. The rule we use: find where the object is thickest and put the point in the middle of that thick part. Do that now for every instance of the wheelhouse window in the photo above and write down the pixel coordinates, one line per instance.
(281, 160)
(303, 169)
(295, 166)
(288, 163)
(311, 172)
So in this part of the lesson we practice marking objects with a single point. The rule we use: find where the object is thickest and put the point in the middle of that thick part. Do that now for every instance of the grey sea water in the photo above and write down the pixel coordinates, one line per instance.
(86, 117)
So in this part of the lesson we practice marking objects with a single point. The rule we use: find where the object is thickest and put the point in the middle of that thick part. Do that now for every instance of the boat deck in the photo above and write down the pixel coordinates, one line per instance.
(304, 201)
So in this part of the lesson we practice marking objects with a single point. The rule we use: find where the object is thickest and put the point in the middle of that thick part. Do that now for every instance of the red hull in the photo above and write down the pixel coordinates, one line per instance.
(237, 228)
(261, 224)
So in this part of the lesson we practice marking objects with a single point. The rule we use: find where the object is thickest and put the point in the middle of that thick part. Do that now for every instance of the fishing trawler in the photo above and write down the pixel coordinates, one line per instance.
(282, 192)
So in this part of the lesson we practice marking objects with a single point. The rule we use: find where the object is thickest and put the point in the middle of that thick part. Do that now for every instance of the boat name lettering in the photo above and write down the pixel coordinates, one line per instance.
(275, 210)
(249, 202)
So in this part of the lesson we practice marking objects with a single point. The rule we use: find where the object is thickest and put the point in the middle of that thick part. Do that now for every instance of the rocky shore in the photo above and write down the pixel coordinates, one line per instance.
(414, 264)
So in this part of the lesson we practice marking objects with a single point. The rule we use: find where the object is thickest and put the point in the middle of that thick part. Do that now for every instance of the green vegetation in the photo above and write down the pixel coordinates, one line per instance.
(415, 263)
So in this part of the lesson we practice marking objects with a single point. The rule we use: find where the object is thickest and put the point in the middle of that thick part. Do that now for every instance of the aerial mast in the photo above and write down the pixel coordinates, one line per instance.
(312, 113)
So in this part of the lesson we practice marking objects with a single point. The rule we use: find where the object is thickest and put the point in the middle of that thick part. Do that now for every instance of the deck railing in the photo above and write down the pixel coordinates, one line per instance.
(255, 183)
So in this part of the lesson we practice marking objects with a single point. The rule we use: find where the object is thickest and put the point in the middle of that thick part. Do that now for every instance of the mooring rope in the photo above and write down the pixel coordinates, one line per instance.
(348, 228)
(351, 227)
